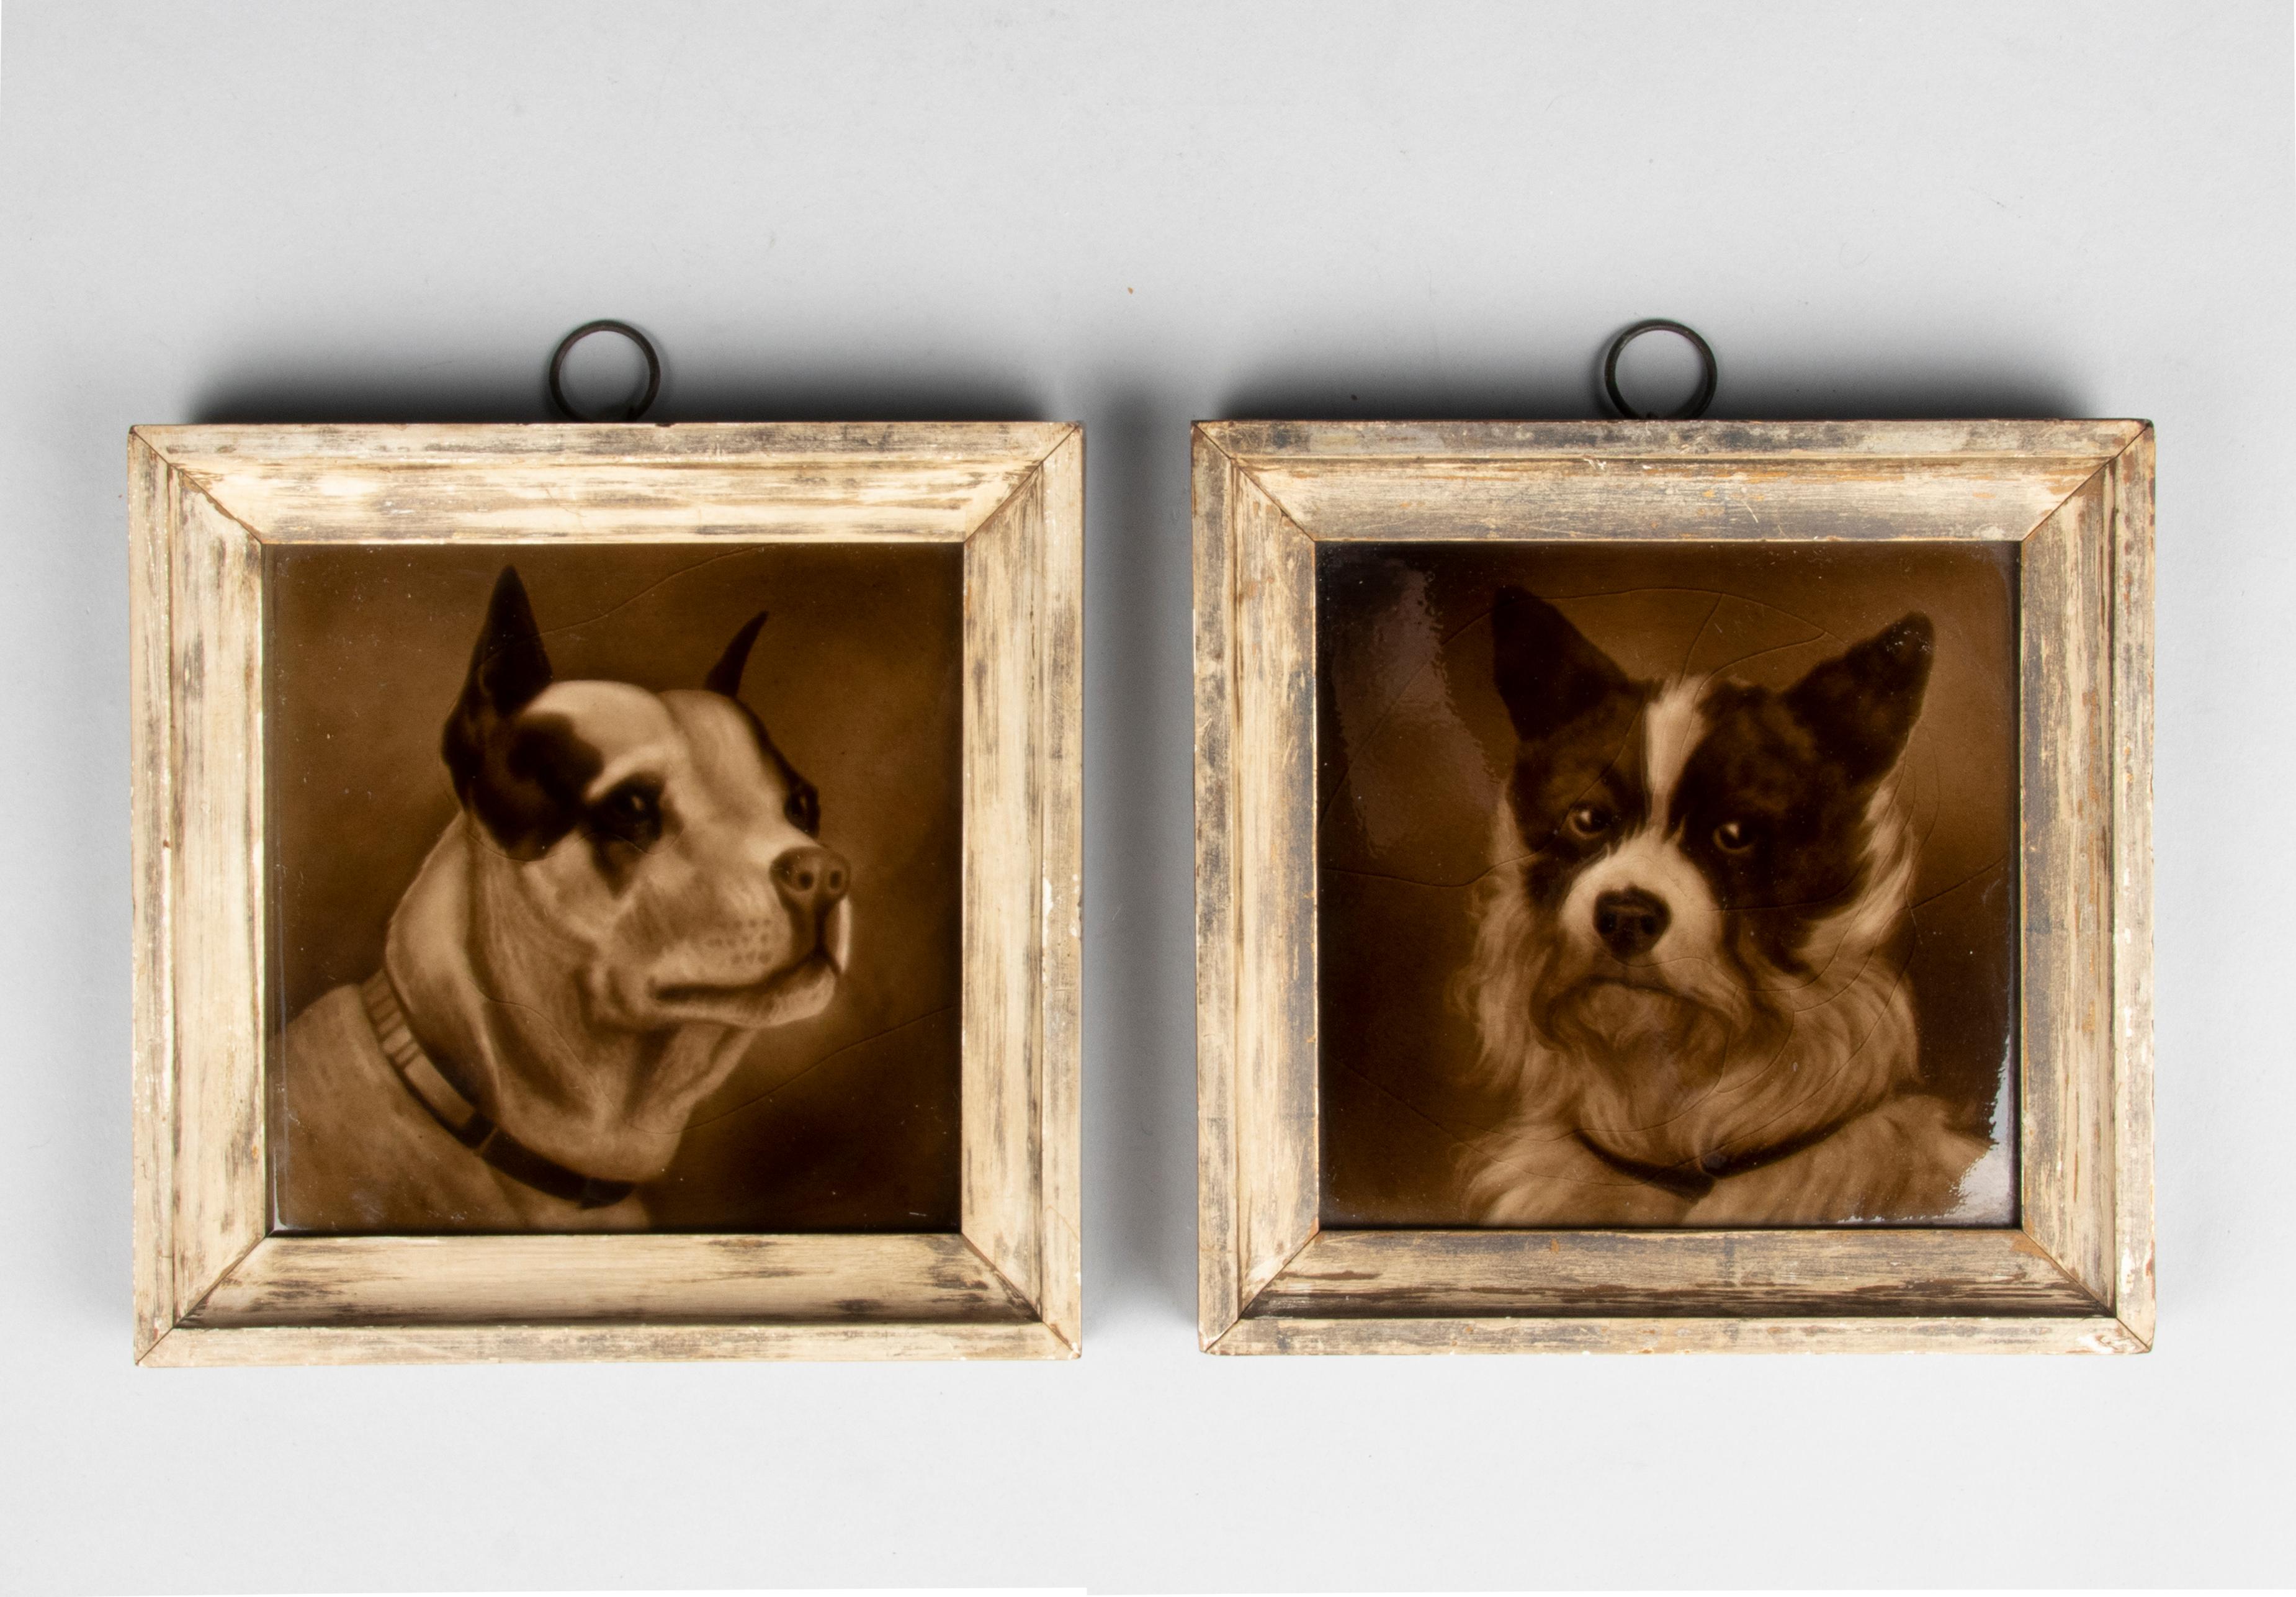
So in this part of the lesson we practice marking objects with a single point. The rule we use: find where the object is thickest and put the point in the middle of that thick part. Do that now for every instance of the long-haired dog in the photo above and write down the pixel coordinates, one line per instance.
(1688, 973)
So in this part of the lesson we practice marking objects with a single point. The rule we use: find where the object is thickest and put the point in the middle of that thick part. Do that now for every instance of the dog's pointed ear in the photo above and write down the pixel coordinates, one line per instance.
(726, 676)
(1545, 669)
(509, 667)
(523, 783)
(1861, 704)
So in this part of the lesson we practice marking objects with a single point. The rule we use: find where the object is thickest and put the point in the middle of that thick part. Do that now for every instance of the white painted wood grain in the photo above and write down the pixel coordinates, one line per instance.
(1479, 1273)
(696, 483)
(150, 708)
(1255, 444)
(216, 911)
(291, 1280)
(1218, 1276)
(2066, 1104)
(1002, 1088)
(1057, 750)
(521, 1344)
(1278, 1153)
(2132, 884)
(1978, 1333)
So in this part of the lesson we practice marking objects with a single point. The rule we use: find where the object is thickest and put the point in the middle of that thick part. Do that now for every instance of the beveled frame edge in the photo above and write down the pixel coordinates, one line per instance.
(1269, 1277)
(211, 1285)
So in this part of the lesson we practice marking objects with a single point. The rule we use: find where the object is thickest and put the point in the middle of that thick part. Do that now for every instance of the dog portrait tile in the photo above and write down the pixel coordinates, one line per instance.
(1667, 885)
(598, 902)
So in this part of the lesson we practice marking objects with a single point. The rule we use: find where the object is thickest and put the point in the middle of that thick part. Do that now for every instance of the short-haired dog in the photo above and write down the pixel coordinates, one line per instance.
(632, 889)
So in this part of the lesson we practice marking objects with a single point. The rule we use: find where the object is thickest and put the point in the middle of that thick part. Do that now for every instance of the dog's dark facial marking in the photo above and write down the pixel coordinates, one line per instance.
(622, 826)
(523, 778)
(1577, 793)
(1771, 804)
(1577, 786)
(1775, 826)
(536, 797)
(802, 808)
(630, 814)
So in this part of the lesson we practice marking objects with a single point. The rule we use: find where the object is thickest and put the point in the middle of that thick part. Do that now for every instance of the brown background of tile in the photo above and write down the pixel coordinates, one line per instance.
(1413, 744)
(847, 1121)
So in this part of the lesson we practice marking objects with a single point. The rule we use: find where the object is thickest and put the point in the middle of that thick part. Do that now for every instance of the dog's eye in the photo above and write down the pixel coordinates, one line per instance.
(804, 810)
(631, 813)
(1588, 821)
(1733, 838)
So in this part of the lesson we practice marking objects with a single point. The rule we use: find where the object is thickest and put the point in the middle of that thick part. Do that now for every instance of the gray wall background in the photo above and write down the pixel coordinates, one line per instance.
(1136, 215)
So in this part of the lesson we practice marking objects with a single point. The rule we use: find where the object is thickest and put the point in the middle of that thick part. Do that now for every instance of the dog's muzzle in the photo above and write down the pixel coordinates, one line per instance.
(813, 882)
(1630, 922)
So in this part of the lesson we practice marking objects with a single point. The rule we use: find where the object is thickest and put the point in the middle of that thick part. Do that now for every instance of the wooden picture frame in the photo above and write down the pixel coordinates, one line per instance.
(213, 1284)
(2074, 1274)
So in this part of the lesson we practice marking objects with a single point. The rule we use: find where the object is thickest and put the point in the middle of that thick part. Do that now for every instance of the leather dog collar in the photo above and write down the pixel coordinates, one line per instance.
(453, 1108)
(1693, 1178)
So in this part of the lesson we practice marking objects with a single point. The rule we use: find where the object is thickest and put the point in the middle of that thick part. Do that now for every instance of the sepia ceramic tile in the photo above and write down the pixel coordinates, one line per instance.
(575, 869)
(1667, 885)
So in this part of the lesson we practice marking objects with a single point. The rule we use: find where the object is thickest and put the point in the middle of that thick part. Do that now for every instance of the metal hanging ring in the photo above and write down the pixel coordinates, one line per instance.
(1698, 402)
(639, 405)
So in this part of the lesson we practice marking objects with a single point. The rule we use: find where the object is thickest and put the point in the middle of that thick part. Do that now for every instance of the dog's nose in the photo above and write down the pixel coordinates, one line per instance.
(811, 878)
(1631, 922)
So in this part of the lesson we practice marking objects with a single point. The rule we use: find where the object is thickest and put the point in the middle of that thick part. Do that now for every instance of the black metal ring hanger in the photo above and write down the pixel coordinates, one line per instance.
(1698, 402)
(639, 405)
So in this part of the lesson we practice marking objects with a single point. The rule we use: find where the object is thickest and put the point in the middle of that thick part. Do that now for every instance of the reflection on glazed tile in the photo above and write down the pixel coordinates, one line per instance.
(1785, 996)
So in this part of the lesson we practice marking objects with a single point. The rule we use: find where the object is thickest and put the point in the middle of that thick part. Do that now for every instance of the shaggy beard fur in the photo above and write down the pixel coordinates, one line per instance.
(1727, 1057)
